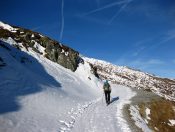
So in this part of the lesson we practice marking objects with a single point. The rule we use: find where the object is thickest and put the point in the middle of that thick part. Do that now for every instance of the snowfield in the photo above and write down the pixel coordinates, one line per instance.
(38, 95)
(101, 118)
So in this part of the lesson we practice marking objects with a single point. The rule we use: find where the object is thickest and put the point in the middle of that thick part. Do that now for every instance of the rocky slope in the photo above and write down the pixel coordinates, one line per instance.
(25, 39)
(133, 78)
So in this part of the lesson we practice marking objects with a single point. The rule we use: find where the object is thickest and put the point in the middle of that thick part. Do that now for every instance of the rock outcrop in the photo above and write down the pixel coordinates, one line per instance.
(43, 45)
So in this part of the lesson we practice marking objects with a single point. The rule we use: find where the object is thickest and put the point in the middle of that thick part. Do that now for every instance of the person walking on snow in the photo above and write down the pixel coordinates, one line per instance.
(107, 91)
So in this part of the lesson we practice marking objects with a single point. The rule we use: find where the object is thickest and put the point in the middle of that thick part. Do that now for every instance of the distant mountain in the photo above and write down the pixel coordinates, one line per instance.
(24, 39)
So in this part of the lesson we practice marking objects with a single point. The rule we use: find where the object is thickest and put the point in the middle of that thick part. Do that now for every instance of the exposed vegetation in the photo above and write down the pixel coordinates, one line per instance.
(161, 111)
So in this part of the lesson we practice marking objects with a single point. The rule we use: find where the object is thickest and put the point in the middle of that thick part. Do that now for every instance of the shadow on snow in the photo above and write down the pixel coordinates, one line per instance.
(114, 99)
(22, 75)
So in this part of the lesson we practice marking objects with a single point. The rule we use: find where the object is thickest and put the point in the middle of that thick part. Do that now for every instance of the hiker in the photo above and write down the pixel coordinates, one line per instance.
(107, 91)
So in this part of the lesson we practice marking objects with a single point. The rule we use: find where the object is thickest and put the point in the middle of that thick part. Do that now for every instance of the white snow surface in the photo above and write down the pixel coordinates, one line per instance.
(172, 122)
(101, 118)
(139, 121)
(7, 27)
(40, 48)
(148, 113)
(42, 96)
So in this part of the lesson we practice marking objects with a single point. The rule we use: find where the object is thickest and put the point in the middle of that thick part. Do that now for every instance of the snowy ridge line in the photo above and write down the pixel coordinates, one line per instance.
(7, 27)
(74, 114)
(125, 76)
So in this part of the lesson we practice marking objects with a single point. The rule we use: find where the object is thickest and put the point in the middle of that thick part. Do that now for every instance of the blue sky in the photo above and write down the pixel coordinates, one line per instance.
(136, 33)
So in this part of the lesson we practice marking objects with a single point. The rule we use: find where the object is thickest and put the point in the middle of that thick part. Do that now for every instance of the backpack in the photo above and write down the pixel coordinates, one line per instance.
(106, 87)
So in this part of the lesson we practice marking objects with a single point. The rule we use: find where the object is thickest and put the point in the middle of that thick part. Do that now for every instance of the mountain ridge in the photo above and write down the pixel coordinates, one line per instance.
(122, 75)
(51, 49)
(26, 40)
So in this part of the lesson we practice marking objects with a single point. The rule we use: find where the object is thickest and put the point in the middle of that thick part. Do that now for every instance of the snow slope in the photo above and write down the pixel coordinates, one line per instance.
(38, 95)
(123, 75)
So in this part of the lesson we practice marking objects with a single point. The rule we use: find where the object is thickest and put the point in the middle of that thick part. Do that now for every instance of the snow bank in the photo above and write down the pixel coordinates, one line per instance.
(36, 93)
(40, 95)
(139, 121)
(125, 95)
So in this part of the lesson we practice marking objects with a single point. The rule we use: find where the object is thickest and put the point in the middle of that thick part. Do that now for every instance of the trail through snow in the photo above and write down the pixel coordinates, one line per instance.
(96, 116)
(41, 96)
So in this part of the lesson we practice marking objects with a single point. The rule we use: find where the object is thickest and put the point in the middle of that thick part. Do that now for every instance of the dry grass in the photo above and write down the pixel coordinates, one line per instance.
(161, 112)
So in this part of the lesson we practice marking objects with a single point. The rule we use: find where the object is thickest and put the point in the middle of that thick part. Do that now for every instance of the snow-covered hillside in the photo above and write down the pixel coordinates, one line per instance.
(47, 87)
(40, 95)
(133, 78)
(36, 93)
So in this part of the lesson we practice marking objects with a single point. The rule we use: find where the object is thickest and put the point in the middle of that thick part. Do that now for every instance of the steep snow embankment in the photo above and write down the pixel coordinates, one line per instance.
(37, 94)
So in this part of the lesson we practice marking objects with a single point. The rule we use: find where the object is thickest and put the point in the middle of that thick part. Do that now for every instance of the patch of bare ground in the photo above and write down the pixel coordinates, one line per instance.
(161, 112)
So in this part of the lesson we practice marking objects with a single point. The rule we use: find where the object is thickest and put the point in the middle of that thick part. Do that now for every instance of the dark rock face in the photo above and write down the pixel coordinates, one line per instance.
(63, 55)
(94, 70)
(54, 51)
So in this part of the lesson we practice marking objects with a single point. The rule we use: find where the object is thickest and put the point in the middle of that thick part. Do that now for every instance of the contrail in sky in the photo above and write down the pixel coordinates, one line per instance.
(106, 7)
(121, 9)
(124, 4)
(36, 28)
(62, 20)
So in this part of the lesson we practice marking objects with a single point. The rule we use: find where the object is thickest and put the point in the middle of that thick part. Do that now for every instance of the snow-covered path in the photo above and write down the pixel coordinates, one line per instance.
(41, 96)
(97, 117)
